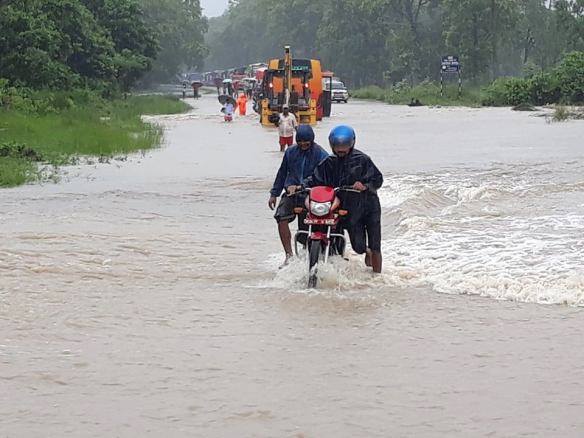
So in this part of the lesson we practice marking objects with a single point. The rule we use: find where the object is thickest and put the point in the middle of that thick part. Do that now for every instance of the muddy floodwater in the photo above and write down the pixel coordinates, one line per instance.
(142, 298)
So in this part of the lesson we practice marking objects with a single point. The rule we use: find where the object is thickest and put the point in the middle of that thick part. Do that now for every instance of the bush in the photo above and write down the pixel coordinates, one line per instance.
(28, 101)
(570, 77)
(507, 92)
(495, 94)
(561, 114)
(403, 85)
(544, 89)
(18, 150)
(518, 91)
(565, 83)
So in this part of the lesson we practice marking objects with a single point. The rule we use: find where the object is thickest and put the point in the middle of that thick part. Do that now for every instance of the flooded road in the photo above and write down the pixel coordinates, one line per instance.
(142, 297)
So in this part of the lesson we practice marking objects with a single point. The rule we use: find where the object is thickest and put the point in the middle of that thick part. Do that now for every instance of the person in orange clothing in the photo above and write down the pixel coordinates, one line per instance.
(242, 104)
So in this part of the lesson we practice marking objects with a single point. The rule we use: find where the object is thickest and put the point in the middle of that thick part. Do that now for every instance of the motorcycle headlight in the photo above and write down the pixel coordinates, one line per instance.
(320, 208)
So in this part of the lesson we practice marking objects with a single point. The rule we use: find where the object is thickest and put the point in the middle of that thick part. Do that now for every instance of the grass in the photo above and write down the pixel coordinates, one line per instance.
(563, 114)
(428, 93)
(149, 105)
(102, 130)
(15, 171)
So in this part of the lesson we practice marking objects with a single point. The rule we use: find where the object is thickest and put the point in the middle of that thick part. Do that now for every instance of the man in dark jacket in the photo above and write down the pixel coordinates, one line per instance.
(350, 167)
(298, 164)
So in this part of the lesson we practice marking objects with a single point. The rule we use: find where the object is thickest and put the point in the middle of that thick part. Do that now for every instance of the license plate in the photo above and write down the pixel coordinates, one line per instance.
(320, 221)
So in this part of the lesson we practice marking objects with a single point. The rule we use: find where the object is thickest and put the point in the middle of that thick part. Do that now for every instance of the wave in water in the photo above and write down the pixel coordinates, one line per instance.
(503, 233)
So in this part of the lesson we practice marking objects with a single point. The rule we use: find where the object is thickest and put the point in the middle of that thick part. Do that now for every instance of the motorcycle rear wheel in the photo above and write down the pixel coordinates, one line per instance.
(315, 248)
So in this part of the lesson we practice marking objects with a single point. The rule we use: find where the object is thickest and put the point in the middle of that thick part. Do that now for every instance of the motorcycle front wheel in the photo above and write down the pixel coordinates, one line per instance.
(313, 256)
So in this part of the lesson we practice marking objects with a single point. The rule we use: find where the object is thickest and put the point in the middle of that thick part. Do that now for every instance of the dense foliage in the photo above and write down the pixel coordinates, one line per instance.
(564, 83)
(179, 29)
(386, 41)
(107, 44)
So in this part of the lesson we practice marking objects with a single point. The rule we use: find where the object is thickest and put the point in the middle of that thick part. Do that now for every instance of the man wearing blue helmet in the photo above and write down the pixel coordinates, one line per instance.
(298, 164)
(351, 167)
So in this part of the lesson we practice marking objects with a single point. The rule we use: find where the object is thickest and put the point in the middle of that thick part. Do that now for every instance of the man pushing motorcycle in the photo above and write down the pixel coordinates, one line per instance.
(298, 164)
(351, 167)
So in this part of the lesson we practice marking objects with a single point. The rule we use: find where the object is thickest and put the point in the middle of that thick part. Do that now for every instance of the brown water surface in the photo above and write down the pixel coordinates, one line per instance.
(142, 297)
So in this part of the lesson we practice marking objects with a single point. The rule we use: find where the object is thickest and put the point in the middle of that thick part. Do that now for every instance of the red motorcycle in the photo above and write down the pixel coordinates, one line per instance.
(325, 236)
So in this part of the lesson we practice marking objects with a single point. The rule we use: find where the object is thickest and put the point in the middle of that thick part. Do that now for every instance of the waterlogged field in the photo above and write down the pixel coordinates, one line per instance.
(30, 141)
(144, 298)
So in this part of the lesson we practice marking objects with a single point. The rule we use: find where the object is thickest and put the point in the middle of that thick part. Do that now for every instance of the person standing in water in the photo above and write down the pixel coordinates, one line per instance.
(196, 87)
(242, 104)
(298, 163)
(287, 124)
(351, 167)
(228, 111)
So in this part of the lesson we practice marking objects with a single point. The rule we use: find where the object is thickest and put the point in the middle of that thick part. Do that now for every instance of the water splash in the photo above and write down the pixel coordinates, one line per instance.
(489, 233)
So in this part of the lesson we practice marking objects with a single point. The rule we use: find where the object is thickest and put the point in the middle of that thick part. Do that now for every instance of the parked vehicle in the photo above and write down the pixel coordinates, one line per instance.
(339, 92)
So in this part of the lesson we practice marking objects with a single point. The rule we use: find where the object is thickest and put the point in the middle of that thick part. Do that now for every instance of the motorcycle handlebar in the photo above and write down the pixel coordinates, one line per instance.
(337, 189)
(299, 192)
(347, 189)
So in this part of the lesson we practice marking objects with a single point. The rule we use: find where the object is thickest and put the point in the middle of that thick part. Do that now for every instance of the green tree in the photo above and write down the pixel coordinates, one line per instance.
(135, 48)
(363, 39)
(415, 38)
(477, 30)
(179, 27)
(68, 43)
(53, 43)
(570, 23)
(244, 38)
(352, 40)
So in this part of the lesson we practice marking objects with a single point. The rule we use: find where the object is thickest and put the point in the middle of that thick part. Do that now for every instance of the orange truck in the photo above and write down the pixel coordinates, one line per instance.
(293, 82)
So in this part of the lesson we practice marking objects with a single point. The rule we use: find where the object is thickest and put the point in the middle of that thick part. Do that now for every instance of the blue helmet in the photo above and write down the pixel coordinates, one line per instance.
(342, 135)
(304, 133)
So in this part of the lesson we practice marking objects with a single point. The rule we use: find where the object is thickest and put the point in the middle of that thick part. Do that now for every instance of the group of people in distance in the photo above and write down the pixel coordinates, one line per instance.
(306, 164)
(229, 109)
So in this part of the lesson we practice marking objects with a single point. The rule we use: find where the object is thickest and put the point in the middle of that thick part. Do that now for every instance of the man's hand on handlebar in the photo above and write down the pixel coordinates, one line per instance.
(359, 186)
(272, 202)
(293, 189)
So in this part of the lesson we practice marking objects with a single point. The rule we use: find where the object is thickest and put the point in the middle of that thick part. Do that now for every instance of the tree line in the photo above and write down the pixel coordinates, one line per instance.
(388, 41)
(102, 44)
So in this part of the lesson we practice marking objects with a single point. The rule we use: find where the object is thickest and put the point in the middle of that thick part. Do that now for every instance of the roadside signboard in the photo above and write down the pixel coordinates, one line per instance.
(450, 64)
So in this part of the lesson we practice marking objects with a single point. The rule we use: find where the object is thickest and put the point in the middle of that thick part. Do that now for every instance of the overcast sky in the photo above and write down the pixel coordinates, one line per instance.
(214, 8)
